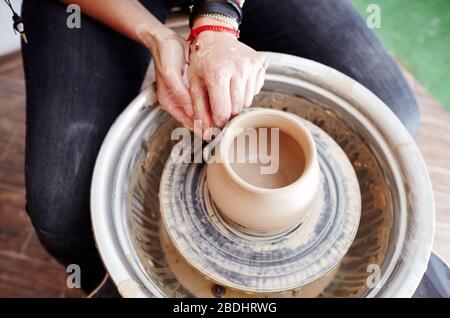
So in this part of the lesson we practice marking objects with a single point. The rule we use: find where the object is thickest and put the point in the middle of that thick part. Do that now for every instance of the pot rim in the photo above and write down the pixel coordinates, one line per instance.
(310, 158)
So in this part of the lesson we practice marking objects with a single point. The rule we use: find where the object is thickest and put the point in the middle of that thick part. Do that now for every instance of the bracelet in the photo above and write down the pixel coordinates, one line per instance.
(221, 18)
(228, 8)
(209, 27)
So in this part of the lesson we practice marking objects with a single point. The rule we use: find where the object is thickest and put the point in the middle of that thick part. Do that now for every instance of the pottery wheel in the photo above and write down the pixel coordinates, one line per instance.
(263, 264)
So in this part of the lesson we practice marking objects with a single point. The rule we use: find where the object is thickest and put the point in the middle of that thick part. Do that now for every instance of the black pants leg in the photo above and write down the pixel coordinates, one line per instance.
(77, 81)
(333, 33)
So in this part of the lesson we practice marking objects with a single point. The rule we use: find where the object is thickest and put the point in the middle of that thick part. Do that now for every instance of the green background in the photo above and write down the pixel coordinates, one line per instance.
(417, 32)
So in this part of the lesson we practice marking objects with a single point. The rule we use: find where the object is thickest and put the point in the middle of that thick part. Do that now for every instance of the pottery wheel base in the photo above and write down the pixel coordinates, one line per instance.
(262, 264)
(198, 286)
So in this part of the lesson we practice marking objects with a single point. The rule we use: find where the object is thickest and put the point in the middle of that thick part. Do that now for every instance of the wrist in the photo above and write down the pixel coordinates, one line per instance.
(201, 20)
(229, 9)
(206, 35)
(151, 36)
(207, 31)
(218, 19)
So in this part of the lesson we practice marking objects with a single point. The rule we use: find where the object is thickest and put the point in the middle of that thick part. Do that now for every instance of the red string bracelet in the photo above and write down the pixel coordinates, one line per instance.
(209, 27)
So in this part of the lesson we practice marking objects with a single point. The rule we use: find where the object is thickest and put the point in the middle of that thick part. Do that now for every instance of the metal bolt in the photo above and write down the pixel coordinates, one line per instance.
(218, 291)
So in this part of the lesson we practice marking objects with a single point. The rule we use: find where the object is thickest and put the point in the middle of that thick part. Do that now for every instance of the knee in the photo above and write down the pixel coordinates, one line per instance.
(60, 223)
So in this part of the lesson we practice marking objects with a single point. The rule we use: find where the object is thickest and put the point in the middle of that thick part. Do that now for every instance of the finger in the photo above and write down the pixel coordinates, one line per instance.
(237, 91)
(219, 100)
(250, 89)
(200, 101)
(260, 79)
(180, 92)
(182, 118)
(264, 61)
(171, 107)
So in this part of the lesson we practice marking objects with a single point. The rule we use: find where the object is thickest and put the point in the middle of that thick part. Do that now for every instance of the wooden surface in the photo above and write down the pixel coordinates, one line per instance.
(26, 270)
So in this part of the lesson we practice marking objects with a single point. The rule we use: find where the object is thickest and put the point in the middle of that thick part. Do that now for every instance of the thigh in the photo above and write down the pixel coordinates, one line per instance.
(333, 33)
(77, 82)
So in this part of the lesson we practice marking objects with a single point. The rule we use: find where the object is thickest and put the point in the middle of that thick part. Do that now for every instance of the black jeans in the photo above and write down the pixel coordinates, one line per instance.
(79, 80)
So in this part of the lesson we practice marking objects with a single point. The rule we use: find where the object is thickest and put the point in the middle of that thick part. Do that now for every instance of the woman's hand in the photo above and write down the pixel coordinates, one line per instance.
(169, 52)
(224, 76)
(168, 49)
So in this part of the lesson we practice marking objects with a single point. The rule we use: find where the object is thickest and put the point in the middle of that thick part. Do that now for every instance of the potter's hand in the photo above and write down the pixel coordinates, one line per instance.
(133, 20)
(225, 75)
(169, 53)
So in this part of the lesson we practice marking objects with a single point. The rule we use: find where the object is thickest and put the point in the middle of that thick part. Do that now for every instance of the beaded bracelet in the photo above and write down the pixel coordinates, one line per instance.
(229, 8)
(221, 18)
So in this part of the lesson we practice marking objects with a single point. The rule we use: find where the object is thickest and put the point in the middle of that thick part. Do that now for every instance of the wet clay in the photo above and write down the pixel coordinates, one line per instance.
(247, 164)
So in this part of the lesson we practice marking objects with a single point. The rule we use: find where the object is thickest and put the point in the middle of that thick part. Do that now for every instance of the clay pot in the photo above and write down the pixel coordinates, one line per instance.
(258, 198)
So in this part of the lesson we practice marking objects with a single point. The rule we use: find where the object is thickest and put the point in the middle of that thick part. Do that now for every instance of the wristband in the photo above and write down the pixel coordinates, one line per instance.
(228, 8)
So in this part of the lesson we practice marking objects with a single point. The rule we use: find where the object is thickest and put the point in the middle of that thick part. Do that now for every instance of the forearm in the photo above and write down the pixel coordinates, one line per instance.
(127, 17)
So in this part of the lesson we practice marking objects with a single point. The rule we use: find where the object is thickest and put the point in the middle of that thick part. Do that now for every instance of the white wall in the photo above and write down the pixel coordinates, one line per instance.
(9, 41)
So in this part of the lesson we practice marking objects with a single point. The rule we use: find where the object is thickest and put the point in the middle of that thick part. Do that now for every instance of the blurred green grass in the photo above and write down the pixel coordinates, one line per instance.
(417, 33)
